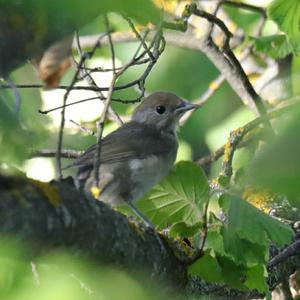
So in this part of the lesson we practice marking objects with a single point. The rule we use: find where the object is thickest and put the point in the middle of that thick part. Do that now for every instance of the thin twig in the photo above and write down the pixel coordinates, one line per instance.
(208, 159)
(62, 122)
(83, 58)
(129, 101)
(237, 136)
(65, 153)
(245, 6)
(16, 94)
(97, 160)
(291, 250)
(82, 128)
(89, 79)
(111, 45)
(140, 38)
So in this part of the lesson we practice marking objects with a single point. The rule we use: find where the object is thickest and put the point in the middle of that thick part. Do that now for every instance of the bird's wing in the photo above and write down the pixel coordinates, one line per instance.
(132, 140)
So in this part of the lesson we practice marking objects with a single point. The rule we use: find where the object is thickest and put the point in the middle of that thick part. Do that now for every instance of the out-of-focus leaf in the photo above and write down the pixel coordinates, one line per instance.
(256, 278)
(15, 140)
(277, 167)
(286, 13)
(234, 274)
(29, 27)
(276, 46)
(180, 197)
(55, 62)
(251, 224)
(182, 229)
(207, 268)
(242, 251)
(225, 242)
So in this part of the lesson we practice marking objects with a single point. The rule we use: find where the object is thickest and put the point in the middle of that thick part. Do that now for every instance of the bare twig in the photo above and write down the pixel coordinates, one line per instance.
(100, 129)
(140, 38)
(17, 95)
(87, 76)
(82, 128)
(65, 153)
(111, 45)
(237, 136)
(129, 101)
(245, 6)
(208, 159)
(62, 123)
(103, 116)
(291, 250)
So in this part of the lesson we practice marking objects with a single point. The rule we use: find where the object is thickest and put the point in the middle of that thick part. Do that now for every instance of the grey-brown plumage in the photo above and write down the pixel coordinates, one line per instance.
(137, 155)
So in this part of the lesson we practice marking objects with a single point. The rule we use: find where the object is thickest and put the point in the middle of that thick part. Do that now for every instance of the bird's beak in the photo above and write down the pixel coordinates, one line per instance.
(185, 106)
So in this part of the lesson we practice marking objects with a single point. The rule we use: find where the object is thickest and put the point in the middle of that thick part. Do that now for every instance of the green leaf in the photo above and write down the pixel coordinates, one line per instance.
(15, 139)
(286, 13)
(207, 268)
(229, 244)
(251, 224)
(178, 198)
(242, 251)
(277, 166)
(276, 46)
(30, 26)
(182, 229)
(256, 278)
(234, 274)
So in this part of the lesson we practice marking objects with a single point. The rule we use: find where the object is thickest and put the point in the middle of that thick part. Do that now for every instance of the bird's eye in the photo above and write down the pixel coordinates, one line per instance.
(160, 109)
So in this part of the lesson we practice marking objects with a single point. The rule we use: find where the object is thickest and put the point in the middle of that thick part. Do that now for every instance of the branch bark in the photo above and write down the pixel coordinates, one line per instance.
(47, 216)
(56, 215)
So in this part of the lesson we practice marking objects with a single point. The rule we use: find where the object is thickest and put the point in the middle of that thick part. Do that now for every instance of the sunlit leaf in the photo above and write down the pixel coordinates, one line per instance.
(286, 13)
(180, 197)
(276, 46)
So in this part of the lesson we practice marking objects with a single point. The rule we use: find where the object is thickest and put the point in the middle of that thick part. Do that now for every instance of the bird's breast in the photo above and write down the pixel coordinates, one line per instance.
(147, 172)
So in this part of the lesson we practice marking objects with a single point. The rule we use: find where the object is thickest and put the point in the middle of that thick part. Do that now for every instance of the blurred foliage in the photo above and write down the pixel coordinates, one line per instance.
(286, 13)
(63, 276)
(276, 46)
(239, 235)
(278, 165)
(29, 27)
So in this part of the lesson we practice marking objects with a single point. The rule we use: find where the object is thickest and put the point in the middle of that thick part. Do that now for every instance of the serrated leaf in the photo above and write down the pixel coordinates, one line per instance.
(234, 274)
(276, 46)
(286, 13)
(242, 251)
(178, 198)
(250, 223)
(228, 244)
(256, 278)
(182, 229)
(207, 268)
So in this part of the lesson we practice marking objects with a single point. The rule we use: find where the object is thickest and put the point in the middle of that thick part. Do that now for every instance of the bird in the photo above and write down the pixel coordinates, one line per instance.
(137, 155)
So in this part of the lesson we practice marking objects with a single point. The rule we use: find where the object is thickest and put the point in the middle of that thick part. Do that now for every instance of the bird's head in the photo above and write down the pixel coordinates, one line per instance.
(161, 110)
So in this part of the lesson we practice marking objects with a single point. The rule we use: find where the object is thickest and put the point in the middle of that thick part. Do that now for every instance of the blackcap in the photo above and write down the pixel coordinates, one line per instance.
(138, 155)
